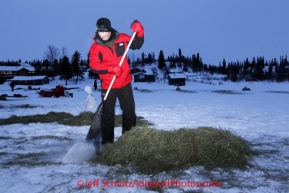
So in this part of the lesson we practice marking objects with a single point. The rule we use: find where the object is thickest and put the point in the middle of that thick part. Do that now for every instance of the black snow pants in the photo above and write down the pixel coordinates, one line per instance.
(127, 105)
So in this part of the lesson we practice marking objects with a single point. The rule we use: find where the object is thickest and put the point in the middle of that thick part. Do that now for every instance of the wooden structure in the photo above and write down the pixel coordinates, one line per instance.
(177, 79)
(144, 77)
(29, 80)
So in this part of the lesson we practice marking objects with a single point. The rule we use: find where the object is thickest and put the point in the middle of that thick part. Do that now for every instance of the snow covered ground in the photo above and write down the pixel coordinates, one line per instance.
(54, 158)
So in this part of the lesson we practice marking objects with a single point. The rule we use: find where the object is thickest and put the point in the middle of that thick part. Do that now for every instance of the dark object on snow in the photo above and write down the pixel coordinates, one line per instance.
(57, 92)
(12, 85)
(17, 95)
(30, 88)
(3, 98)
(246, 89)
(46, 93)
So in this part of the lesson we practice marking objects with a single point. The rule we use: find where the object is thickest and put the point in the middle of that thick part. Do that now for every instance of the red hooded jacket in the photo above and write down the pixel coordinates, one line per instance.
(101, 57)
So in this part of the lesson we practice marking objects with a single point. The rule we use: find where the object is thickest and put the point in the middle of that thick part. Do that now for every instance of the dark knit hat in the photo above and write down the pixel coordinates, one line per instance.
(103, 24)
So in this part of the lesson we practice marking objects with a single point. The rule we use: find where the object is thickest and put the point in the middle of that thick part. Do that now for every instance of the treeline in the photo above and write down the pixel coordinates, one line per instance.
(57, 63)
(257, 69)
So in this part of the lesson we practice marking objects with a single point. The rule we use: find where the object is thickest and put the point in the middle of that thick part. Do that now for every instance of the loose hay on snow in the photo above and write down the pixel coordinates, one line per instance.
(152, 151)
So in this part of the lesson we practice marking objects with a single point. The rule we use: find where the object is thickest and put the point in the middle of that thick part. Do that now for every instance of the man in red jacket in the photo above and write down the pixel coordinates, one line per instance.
(104, 58)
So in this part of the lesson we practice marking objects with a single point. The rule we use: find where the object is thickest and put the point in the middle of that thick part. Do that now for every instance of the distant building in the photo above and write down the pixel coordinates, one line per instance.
(23, 69)
(29, 80)
(135, 70)
(144, 77)
(177, 79)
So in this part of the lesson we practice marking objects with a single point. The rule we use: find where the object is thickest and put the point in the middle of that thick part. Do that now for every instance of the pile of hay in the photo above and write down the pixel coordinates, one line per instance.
(152, 151)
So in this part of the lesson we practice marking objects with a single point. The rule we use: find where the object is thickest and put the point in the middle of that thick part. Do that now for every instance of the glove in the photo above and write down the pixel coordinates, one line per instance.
(116, 70)
(138, 28)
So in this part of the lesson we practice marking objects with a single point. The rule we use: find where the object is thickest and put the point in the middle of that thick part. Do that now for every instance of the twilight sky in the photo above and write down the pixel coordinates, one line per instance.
(217, 29)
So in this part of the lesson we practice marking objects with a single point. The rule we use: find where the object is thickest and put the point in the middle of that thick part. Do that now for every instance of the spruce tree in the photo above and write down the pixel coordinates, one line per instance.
(161, 60)
(180, 58)
(76, 70)
(142, 59)
(65, 69)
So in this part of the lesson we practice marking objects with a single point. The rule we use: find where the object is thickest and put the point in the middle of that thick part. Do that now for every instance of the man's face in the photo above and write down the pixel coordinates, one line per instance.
(104, 35)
